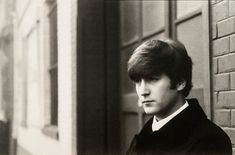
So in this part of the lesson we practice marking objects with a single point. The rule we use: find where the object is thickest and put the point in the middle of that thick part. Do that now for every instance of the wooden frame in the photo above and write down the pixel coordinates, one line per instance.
(207, 70)
(98, 77)
(51, 118)
(129, 98)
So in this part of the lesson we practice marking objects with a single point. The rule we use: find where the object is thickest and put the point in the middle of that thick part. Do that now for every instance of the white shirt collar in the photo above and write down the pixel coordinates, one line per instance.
(156, 125)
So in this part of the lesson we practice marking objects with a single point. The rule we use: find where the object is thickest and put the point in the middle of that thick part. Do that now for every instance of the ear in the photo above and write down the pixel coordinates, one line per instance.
(181, 85)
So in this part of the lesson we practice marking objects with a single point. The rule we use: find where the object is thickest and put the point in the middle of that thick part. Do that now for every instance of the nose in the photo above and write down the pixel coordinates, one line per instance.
(143, 88)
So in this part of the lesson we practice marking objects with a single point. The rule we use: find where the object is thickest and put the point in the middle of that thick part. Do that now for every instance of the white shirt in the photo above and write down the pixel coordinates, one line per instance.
(156, 125)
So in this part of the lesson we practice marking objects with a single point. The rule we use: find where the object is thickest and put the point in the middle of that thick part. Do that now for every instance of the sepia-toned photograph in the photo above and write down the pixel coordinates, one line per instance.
(117, 77)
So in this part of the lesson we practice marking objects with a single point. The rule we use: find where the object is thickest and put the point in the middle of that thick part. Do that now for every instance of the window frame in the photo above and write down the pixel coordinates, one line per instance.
(51, 109)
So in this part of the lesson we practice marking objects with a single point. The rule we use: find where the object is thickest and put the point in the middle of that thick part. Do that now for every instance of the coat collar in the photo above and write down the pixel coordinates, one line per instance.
(177, 129)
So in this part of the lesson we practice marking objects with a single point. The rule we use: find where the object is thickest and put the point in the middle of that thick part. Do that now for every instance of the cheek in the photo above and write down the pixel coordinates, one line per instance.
(137, 90)
(169, 96)
(163, 92)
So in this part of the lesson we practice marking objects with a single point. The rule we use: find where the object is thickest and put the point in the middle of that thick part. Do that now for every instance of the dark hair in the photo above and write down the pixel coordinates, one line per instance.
(156, 57)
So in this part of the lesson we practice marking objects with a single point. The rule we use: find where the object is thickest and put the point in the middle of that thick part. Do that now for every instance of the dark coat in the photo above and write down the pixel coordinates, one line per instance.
(190, 132)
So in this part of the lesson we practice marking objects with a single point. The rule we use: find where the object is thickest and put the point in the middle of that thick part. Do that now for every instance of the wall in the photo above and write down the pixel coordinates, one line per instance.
(6, 58)
(30, 79)
(6, 75)
(67, 15)
(223, 53)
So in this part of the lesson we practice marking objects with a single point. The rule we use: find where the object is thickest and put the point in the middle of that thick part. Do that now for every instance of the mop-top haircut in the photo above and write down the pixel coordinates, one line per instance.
(156, 57)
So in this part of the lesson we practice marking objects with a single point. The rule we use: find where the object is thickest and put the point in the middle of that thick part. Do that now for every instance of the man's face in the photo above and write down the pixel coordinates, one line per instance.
(156, 96)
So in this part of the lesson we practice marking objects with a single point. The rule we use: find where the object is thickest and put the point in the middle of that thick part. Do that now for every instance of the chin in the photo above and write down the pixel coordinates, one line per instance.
(150, 111)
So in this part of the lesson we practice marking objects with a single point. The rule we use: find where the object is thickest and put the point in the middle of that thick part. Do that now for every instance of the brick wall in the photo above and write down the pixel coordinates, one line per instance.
(223, 52)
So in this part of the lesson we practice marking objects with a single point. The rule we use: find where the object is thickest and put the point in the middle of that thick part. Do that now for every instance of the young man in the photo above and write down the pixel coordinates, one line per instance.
(162, 73)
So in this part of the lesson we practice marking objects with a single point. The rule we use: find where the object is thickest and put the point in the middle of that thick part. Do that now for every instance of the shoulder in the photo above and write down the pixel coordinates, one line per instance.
(209, 128)
(211, 137)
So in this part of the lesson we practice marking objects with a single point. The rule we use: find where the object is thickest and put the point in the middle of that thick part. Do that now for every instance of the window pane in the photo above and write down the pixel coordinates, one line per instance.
(130, 127)
(129, 21)
(53, 36)
(187, 32)
(184, 6)
(161, 35)
(127, 85)
(54, 96)
(153, 16)
(53, 65)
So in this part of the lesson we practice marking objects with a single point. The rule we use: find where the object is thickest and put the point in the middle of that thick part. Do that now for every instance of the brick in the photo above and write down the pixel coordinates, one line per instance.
(233, 118)
(215, 65)
(221, 82)
(226, 63)
(232, 43)
(231, 7)
(226, 99)
(220, 11)
(226, 27)
(223, 117)
(221, 46)
(231, 133)
(214, 30)
(232, 80)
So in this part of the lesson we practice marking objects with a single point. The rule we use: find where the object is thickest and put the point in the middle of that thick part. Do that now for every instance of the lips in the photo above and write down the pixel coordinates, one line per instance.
(147, 101)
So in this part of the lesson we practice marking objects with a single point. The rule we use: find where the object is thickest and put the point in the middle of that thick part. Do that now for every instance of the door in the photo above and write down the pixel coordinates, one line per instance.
(138, 24)
(97, 77)
(190, 24)
(144, 20)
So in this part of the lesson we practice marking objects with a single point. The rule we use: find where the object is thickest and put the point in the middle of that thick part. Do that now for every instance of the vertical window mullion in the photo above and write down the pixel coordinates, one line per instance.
(53, 68)
(51, 126)
(173, 17)
(54, 95)
(170, 25)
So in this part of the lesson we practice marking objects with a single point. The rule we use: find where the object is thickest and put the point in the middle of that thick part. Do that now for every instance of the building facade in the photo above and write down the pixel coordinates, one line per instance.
(44, 47)
(71, 90)
(6, 75)
(223, 58)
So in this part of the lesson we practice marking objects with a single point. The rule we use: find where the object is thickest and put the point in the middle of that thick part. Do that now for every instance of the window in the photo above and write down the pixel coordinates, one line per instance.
(53, 68)
(142, 20)
(52, 71)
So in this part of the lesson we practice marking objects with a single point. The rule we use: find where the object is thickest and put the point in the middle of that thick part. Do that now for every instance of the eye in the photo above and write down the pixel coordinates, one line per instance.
(152, 79)
(136, 80)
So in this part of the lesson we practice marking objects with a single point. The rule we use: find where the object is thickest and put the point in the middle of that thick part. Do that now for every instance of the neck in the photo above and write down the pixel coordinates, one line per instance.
(174, 106)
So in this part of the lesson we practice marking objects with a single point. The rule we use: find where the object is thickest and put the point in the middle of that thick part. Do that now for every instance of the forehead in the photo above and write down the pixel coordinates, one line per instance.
(156, 77)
